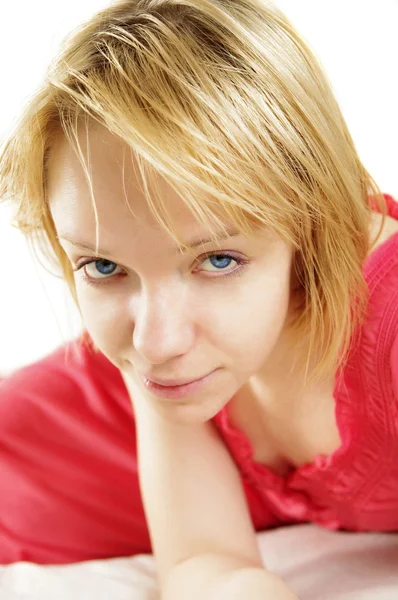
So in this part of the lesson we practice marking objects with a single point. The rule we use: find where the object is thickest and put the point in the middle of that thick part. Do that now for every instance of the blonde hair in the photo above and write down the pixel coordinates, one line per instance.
(228, 103)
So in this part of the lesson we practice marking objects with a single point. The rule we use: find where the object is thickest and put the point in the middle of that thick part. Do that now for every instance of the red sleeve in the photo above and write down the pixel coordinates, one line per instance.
(69, 486)
(394, 366)
(392, 204)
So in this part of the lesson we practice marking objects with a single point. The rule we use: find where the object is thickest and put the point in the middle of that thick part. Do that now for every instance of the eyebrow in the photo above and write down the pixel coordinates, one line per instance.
(198, 241)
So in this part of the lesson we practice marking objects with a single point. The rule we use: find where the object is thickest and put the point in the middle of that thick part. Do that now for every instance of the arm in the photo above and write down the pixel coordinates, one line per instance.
(216, 577)
(200, 527)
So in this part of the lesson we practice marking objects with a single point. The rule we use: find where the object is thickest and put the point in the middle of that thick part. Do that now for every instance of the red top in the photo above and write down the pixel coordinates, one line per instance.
(356, 487)
(69, 488)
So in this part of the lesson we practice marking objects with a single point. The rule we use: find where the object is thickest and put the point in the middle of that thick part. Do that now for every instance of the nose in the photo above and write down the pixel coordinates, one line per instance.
(164, 325)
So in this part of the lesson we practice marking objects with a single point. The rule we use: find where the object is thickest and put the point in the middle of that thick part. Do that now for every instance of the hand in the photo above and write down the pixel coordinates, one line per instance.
(136, 390)
(139, 396)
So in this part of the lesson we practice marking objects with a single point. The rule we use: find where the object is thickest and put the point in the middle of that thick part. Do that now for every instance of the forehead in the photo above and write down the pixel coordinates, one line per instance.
(115, 183)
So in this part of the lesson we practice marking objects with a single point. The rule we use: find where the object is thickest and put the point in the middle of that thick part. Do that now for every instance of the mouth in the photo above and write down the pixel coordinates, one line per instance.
(178, 391)
(172, 382)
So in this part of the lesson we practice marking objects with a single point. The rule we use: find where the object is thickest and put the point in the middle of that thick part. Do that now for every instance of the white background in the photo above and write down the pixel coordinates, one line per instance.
(355, 39)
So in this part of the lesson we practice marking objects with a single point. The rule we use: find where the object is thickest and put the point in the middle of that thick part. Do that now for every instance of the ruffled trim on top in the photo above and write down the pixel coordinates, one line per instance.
(290, 490)
(242, 449)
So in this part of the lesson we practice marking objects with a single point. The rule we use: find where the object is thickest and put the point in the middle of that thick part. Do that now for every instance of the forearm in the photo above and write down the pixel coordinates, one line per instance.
(192, 494)
(196, 510)
(191, 491)
(222, 578)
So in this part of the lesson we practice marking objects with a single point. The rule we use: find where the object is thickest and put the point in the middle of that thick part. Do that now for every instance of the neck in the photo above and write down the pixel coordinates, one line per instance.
(280, 386)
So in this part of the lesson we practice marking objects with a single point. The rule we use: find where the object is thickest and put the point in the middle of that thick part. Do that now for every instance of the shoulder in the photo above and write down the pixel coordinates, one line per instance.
(380, 271)
(376, 348)
(46, 376)
(60, 368)
(379, 351)
(394, 365)
(71, 381)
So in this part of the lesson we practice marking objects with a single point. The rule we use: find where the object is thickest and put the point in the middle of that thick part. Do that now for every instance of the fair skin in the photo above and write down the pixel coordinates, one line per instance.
(173, 315)
(166, 313)
(161, 312)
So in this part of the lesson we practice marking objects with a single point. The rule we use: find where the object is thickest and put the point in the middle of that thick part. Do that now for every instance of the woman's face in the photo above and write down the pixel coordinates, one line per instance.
(155, 311)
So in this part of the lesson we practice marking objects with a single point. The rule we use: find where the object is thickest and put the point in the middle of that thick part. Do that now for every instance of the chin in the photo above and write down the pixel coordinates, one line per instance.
(187, 412)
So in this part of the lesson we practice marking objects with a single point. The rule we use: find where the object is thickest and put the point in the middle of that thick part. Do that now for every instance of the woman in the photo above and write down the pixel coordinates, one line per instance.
(187, 166)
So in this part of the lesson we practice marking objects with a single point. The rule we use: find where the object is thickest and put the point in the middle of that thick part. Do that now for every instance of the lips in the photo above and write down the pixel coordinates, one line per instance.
(172, 382)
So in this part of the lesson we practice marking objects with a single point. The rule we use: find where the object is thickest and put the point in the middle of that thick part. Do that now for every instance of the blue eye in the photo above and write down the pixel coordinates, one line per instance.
(224, 259)
(105, 269)
(101, 269)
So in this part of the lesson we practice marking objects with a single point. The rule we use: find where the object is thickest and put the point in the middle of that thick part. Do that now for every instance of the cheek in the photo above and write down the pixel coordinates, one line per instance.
(243, 326)
(103, 320)
(257, 320)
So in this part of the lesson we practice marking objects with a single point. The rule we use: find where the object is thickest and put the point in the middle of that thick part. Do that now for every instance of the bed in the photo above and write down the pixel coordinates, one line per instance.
(317, 564)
